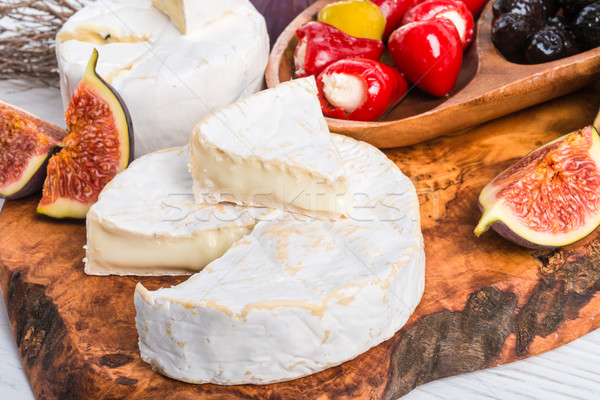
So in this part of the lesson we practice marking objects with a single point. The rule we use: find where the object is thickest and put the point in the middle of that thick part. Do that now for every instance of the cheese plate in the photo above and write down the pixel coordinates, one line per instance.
(486, 301)
(488, 87)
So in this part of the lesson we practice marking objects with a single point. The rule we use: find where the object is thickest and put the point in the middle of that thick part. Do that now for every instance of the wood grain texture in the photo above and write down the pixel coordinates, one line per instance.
(488, 87)
(486, 302)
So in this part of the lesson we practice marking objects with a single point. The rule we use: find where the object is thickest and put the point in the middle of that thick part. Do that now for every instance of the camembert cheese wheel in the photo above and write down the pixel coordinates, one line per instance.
(296, 295)
(169, 80)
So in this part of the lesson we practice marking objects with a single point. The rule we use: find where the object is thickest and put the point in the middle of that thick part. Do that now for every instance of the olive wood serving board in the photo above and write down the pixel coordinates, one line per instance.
(486, 301)
(488, 87)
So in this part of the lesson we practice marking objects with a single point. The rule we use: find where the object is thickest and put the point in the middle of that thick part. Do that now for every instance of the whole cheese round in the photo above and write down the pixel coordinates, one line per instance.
(296, 295)
(168, 80)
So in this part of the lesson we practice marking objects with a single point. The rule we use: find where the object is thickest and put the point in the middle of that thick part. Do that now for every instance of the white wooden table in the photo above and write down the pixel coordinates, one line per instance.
(569, 372)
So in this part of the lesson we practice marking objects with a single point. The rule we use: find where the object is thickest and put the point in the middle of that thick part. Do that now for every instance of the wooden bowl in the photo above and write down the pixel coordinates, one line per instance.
(488, 87)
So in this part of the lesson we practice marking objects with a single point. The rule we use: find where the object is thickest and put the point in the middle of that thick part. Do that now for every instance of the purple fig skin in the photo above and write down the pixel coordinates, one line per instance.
(54, 134)
(504, 231)
(35, 184)
(70, 206)
(125, 110)
(558, 240)
(501, 229)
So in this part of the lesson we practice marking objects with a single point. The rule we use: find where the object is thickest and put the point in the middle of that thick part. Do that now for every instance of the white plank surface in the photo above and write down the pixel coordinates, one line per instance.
(570, 372)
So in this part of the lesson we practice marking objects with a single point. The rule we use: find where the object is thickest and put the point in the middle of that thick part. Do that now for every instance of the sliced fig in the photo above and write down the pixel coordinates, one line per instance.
(98, 146)
(549, 198)
(26, 144)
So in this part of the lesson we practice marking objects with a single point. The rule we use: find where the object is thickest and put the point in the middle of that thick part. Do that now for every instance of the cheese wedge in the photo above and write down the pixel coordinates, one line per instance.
(273, 149)
(191, 15)
(146, 221)
(168, 80)
(296, 295)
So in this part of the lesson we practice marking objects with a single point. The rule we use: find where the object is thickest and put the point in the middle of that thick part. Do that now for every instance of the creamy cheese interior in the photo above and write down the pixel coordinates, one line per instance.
(112, 251)
(250, 181)
(191, 15)
(273, 149)
(175, 9)
(99, 35)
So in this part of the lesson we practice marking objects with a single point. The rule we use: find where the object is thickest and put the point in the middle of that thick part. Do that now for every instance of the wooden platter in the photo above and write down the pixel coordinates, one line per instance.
(488, 87)
(486, 301)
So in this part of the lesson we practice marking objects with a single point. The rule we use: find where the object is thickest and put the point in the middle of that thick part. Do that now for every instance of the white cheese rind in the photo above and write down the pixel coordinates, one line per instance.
(146, 221)
(169, 81)
(272, 148)
(295, 296)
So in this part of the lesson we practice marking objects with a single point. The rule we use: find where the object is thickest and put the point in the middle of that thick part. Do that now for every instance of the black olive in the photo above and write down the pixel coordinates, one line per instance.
(550, 43)
(572, 7)
(500, 7)
(533, 10)
(559, 22)
(510, 34)
(587, 26)
(551, 7)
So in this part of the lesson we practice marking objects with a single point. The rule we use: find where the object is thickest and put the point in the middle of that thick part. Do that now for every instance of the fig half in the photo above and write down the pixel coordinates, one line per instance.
(98, 146)
(549, 198)
(26, 144)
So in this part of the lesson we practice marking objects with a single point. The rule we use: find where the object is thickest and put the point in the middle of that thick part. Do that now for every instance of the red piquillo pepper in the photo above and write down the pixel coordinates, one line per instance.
(359, 89)
(393, 11)
(322, 44)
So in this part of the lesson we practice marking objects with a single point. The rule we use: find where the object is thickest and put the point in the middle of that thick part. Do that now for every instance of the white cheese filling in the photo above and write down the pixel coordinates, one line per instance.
(458, 22)
(344, 91)
(300, 55)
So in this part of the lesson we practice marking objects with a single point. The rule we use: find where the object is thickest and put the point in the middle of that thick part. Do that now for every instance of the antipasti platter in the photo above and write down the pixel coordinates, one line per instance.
(237, 246)
(488, 86)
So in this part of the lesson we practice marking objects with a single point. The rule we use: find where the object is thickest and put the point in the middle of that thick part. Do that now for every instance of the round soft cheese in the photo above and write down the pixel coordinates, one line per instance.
(169, 81)
(146, 221)
(296, 295)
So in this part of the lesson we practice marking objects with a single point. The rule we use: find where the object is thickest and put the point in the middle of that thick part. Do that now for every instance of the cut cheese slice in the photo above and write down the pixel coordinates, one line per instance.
(273, 149)
(295, 296)
(168, 80)
(191, 15)
(146, 221)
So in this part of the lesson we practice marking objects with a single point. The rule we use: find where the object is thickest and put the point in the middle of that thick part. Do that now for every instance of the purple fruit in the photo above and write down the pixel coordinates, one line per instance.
(26, 144)
(99, 146)
(549, 198)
